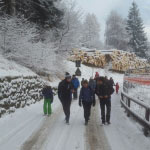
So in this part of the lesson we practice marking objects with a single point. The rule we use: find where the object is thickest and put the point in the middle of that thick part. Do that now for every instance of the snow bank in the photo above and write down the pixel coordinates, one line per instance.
(19, 86)
(10, 68)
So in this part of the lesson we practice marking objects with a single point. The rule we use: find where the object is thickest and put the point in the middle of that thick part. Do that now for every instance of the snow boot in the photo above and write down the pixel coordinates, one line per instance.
(86, 123)
(108, 123)
(103, 123)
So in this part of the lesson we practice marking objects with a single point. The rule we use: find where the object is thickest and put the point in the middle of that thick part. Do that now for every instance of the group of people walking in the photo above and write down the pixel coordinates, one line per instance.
(100, 86)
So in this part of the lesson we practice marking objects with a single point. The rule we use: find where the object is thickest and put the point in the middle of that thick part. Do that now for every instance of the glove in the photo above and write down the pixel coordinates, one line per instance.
(80, 104)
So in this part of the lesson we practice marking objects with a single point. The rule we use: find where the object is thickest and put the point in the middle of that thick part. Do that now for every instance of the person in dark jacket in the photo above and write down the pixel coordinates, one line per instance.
(104, 91)
(87, 99)
(92, 84)
(111, 81)
(76, 85)
(48, 99)
(82, 82)
(65, 90)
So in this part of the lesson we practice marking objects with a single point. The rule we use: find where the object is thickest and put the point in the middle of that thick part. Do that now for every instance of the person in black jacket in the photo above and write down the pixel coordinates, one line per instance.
(87, 99)
(65, 90)
(104, 91)
(111, 81)
(48, 99)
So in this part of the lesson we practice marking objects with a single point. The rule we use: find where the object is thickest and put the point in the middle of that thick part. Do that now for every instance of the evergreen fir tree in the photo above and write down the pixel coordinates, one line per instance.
(135, 29)
(41, 12)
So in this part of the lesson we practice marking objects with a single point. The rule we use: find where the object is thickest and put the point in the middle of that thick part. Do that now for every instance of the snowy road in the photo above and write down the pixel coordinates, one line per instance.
(32, 131)
(28, 129)
(55, 134)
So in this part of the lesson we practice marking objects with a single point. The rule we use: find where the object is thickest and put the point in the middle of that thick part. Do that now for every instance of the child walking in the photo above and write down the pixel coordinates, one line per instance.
(87, 99)
(117, 88)
(48, 100)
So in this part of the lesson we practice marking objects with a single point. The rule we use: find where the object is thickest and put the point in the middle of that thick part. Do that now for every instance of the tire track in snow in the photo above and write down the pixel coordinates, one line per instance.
(38, 138)
(55, 134)
(95, 135)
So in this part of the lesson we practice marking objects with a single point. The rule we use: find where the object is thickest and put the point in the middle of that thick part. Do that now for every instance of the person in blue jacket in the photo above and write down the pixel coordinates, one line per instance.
(92, 84)
(76, 85)
(87, 99)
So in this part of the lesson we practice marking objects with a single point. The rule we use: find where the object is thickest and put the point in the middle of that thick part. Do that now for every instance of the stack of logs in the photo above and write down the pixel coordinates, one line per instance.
(120, 61)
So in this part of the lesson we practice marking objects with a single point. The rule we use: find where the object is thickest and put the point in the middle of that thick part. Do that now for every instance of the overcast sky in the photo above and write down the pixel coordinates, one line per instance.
(102, 8)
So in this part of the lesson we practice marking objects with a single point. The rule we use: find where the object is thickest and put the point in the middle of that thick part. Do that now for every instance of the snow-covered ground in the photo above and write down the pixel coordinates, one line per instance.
(28, 129)
(10, 68)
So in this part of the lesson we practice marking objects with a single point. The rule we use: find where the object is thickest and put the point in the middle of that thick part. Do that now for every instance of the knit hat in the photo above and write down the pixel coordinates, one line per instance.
(67, 75)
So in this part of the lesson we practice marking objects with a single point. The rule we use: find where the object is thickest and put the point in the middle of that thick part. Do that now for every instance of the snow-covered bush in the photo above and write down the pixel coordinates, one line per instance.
(17, 92)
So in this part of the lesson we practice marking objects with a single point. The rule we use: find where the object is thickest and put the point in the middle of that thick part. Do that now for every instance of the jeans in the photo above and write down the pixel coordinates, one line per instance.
(87, 110)
(105, 103)
(66, 108)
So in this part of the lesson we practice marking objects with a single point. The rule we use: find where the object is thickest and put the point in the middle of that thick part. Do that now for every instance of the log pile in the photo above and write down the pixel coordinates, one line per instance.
(120, 61)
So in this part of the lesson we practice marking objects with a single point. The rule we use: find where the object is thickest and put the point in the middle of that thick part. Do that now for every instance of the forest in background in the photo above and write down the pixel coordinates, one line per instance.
(39, 33)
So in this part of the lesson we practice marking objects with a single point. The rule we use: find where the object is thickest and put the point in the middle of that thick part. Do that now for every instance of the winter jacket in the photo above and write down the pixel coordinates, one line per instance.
(65, 90)
(111, 82)
(96, 75)
(92, 84)
(117, 87)
(82, 83)
(48, 93)
(75, 83)
(86, 95)
(104, 90)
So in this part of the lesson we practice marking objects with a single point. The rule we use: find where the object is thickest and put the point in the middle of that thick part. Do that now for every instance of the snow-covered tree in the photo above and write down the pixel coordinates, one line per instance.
(135, 29)
(115, 33)
(91, 32)
(69, 35)
(42, 12)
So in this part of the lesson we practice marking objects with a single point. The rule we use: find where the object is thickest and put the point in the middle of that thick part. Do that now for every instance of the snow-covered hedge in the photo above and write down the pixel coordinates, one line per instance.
(17, 92)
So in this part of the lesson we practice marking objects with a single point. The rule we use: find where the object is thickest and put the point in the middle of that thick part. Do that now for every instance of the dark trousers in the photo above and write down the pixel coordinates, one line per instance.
(75, 94)
(105, 103)
(87, 110)
(66, 108)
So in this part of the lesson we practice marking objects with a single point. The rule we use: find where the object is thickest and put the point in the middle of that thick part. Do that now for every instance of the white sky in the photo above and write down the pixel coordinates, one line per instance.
(102, 8)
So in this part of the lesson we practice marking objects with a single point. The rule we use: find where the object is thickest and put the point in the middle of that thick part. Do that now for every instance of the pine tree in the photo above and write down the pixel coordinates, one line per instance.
(41, 12)
(135, 29)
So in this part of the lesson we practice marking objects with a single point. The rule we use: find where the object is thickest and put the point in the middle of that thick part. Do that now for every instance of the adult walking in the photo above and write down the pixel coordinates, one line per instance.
(76, 85)
(82, 82)
(104, 91)
(87, 99)
(96, 75)
(92, 84)
(65, 89)
(111, 81)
